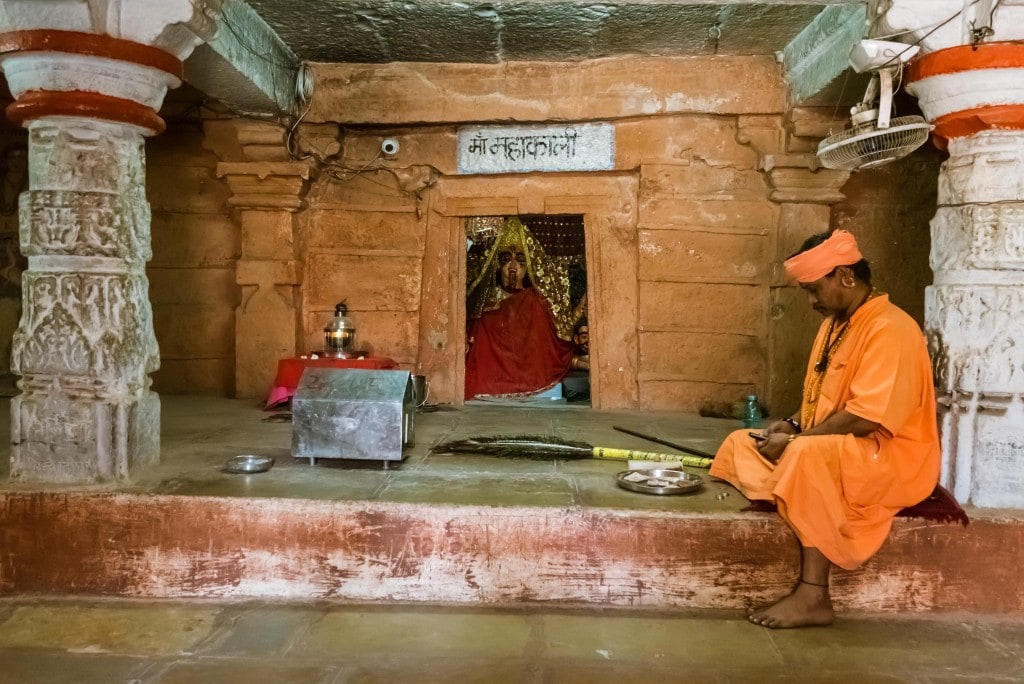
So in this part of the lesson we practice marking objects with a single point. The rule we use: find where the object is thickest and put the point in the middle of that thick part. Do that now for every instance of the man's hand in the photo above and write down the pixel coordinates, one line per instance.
(840, 423)
(772, 447)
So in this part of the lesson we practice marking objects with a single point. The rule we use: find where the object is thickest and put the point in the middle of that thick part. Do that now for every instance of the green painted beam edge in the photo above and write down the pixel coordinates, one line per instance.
(821, 51)
(263, 58)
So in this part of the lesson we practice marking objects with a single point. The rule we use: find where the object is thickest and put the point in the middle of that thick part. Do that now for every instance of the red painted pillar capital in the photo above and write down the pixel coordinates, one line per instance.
(964, 90)
(70, 73)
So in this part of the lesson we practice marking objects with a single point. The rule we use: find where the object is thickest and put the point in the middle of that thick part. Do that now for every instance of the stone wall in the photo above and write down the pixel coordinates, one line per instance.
(13, 180)
(889, 209)
(686, 234)
(714, 183)
(192, 273)
(364, 244)
(680, 243)
(705, 231)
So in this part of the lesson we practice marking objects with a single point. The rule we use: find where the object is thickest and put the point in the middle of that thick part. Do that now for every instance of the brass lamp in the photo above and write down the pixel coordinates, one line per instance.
(340, 334)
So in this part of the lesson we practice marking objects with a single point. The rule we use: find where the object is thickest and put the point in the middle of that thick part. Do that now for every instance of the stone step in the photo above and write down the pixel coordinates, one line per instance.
(169, 546)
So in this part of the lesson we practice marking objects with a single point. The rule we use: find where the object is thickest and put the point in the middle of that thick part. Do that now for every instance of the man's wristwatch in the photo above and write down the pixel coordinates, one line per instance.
(796, 425)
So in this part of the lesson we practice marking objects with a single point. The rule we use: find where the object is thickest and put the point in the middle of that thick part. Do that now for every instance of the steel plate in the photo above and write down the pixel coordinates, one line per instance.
(675, 481)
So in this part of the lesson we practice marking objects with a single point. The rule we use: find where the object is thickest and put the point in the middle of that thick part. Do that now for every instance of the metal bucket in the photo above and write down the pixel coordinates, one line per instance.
(420, 390)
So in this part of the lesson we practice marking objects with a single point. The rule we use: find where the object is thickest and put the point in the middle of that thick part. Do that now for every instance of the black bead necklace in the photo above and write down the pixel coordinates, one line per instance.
(830, 345)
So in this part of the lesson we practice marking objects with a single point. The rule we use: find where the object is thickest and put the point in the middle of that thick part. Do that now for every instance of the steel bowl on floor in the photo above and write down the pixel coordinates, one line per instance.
(248, 464)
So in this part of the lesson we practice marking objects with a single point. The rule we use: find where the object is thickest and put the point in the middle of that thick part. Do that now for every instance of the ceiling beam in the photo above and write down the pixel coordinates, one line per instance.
(245, 65)
(821, 51)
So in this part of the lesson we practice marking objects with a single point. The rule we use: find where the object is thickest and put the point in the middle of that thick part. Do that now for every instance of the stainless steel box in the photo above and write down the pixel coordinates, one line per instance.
(352, 414)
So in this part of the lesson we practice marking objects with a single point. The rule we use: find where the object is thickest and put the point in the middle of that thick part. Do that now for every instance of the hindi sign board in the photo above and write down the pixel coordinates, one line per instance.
(519, 149)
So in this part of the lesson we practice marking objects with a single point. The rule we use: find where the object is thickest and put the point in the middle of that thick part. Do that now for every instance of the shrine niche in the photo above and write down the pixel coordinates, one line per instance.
(604, 204)
(526, 287)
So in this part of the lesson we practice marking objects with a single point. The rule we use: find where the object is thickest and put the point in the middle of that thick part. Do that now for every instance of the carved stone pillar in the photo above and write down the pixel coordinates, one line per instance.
(974, 315)
(973, 312)
(85, 345)
(267, 195)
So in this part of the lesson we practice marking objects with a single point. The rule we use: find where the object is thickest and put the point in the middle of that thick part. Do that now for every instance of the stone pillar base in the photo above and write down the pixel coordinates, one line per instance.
(62, 440)
(983, 448)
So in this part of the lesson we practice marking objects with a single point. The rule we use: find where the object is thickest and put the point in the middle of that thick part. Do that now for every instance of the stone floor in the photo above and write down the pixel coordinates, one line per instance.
(81, 639)
(199, 434)
(138, 642)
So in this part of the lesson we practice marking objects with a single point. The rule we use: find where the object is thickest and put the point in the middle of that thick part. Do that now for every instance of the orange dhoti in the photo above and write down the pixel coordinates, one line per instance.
(840, 493)
(837, 492)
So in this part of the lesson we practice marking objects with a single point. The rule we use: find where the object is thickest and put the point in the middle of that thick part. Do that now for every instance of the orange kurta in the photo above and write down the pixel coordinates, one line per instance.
(840, 493)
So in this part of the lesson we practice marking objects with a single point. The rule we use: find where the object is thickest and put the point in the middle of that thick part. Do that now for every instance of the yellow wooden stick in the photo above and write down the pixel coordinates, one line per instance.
(630, 455)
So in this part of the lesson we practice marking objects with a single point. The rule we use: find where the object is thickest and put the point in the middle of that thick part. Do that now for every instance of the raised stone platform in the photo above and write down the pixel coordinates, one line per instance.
(462, 530)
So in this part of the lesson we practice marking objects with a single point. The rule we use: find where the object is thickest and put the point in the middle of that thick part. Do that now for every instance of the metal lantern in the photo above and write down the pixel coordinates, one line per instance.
(340, 333)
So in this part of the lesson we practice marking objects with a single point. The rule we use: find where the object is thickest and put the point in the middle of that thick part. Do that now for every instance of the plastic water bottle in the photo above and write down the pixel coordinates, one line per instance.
(752, 413)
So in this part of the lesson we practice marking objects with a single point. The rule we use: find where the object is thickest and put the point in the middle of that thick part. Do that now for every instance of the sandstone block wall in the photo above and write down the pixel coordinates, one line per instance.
(12, 181)
(192, 273)
(698, 232)
(364, 245)
(685, 237)
(702, 233)
(889, 209)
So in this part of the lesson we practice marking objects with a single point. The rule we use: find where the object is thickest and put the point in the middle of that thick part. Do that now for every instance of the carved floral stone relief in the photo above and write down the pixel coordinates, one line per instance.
(981, 237)
(86, 324)
(975, 336)
(986, 167)
(85, 224)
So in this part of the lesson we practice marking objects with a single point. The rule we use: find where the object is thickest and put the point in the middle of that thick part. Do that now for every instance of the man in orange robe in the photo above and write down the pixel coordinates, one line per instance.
(864, 444)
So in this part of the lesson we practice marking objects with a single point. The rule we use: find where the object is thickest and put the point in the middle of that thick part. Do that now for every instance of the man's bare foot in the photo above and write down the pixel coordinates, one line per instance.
(809, 605)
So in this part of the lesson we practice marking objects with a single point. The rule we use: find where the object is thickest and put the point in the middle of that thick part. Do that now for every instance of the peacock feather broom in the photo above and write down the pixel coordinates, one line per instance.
(544, 448)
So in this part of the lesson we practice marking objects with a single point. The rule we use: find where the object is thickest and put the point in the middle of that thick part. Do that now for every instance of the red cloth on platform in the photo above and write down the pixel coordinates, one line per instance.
(516, 350)
(289, 372)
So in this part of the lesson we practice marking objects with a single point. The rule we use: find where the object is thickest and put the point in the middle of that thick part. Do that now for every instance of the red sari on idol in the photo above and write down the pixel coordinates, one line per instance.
(515, 349)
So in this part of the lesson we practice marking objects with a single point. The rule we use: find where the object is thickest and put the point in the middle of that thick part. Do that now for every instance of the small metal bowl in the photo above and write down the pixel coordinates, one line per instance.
(248, 464)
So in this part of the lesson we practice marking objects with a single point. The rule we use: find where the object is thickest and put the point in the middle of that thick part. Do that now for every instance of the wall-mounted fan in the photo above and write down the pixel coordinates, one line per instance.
(874, 137)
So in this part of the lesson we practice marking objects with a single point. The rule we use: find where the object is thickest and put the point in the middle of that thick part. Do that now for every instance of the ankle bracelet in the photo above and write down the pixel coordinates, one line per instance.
(813, 584)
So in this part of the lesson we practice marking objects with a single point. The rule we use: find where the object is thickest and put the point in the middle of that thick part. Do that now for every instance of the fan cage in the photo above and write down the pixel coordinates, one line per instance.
(865, 146)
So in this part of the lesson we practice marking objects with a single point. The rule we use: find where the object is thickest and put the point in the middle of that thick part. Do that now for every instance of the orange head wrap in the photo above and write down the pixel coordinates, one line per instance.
(840, 249)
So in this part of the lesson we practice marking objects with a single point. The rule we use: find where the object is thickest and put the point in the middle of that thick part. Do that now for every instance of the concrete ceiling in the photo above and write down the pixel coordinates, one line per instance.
(252, 63)
(378, 31)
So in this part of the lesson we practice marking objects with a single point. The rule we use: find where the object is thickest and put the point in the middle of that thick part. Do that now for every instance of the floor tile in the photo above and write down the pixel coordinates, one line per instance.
(142, 642)
(162, 628)
(31, 666)
(913, 647)
(432, 670)
(242, 672)
(481, 489)
(667, 641)
(259, 630)
(422, 634)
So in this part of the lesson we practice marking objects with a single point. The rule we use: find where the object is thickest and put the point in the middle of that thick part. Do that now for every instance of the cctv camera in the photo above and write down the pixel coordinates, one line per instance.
(389, 146)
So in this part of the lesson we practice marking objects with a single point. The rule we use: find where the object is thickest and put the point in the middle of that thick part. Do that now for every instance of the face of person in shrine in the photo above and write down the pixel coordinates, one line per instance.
(582, 339)
(512, 263)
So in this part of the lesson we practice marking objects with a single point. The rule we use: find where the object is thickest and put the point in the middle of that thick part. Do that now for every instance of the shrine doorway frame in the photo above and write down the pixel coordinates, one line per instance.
(608, 204)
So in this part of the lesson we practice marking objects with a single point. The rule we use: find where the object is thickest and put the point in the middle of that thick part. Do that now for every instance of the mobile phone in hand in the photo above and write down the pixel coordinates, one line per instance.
(757, 436)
